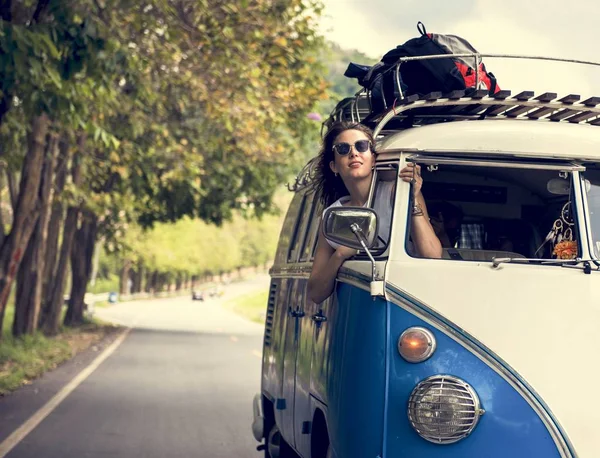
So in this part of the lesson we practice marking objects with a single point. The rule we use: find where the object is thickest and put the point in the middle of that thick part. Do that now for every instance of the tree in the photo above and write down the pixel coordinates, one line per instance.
(180, 107)
(43, 44)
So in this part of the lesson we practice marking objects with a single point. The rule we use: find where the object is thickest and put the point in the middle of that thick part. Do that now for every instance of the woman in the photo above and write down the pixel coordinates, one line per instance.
(344, 171)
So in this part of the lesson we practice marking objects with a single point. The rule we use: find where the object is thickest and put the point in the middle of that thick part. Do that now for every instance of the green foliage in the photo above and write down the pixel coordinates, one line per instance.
(211, 99)
(105, 284)
(186, 109)
(9, 315)
(195, 247)
(334, 60)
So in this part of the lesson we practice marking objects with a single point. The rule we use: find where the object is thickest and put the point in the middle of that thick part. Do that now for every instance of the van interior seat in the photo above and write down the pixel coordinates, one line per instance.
(467, 254)
(524, 236)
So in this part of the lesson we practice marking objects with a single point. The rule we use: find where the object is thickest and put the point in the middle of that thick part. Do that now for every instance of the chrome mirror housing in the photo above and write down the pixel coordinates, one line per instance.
(354, 227)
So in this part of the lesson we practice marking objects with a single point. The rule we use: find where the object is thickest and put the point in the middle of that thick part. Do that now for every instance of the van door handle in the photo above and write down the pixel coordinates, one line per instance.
(298, 313)
(319, 318)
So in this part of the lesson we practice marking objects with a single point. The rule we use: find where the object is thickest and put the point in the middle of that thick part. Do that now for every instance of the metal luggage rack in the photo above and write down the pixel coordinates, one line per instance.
(413, 110)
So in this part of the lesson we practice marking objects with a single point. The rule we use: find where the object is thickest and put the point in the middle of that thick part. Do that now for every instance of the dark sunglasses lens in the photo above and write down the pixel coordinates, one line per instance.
(342, 148)
(362, 146)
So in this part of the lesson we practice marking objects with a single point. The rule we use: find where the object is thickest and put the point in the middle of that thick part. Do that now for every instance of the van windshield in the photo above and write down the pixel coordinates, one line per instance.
(481, 212)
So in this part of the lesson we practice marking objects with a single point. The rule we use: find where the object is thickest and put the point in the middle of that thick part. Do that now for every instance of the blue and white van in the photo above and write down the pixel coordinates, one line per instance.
(491, 351)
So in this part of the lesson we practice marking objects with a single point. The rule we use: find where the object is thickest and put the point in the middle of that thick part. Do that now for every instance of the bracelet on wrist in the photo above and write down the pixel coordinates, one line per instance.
(417, 210)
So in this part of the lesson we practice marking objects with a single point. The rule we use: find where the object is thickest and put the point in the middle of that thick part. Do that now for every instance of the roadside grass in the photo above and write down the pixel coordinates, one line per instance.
(104, 285)
(102, 304)
(26, 358)
(251, 306)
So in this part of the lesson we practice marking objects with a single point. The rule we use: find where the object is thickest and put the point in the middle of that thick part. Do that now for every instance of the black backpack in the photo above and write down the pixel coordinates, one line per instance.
(422, 76)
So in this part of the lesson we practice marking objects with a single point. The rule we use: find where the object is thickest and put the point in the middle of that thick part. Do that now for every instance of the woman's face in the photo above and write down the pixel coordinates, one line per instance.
(354, 165)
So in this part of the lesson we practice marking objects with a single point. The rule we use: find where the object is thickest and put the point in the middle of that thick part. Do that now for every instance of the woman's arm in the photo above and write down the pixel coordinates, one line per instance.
(325, 267)
(423, 236)
(426, 242)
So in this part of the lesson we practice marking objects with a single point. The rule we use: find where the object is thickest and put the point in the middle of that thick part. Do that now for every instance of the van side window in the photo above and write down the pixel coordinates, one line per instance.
(297, 232)
(382, 202)
(480, 211)
(592, 188)
(312, 231)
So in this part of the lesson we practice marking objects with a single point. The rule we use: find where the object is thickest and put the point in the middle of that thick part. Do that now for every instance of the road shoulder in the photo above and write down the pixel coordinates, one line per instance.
(21, 404)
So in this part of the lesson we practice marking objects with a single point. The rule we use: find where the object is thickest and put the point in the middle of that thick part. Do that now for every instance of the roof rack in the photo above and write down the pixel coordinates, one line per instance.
(411, 110)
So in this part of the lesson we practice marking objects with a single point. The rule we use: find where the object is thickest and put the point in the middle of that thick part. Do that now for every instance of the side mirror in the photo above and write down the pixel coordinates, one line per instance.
(354, 227)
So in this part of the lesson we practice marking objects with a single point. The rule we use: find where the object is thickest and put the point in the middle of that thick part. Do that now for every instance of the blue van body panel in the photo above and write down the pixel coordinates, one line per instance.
(509, 427)
(351, 370)
(358, 374)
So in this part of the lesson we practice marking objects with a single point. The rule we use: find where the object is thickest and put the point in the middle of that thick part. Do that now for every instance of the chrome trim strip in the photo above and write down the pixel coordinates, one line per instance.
(477, 162)
(409, 303)
(345, 275)
(477, 154)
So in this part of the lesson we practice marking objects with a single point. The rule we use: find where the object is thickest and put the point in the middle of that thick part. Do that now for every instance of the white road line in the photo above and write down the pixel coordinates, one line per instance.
(257, 353)
(22, 431)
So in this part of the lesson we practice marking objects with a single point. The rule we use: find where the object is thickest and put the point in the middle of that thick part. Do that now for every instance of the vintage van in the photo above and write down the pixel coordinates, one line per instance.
(491, 351)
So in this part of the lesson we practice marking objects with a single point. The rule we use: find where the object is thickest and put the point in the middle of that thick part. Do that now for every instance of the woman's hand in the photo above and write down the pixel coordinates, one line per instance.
(412, 174)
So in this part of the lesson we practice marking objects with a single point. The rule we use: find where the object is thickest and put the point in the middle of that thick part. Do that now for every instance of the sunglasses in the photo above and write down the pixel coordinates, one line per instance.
(361, 146)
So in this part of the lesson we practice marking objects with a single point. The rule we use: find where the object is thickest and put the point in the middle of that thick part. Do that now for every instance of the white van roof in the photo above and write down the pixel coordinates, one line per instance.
(522, 137)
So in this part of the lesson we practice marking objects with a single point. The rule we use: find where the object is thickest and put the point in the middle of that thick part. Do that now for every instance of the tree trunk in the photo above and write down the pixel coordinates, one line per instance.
(159, 283)
(125, 278)
(149, 281)
(163, 280)
(96, 263)
(138, 276)
(56, 220)
(2, 223)
(24, 293)
(30, 277)
(27, 211)
(178, 282)
(51, 319)
(82, 254)
(13, 189)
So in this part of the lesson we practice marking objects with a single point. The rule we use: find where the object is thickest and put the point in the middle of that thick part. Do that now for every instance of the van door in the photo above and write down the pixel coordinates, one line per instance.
(306, 337)
(294, 309)
(294, 312)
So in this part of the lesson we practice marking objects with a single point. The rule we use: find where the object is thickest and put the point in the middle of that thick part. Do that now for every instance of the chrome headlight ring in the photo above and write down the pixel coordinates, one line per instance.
(444, 409)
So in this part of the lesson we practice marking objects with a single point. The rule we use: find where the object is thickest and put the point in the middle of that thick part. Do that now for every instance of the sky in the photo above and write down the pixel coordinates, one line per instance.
(556, 28)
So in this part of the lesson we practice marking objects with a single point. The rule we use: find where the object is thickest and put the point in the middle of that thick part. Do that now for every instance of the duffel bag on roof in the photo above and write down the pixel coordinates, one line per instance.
(422, 76)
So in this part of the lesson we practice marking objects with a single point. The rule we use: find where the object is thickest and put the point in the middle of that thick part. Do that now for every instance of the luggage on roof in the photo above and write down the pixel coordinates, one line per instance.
(397, 76)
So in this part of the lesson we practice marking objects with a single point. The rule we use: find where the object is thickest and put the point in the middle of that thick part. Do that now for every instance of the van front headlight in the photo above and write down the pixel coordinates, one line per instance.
(444, 409)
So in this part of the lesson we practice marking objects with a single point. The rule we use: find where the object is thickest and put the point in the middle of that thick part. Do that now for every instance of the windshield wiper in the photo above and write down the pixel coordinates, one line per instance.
(587, 266)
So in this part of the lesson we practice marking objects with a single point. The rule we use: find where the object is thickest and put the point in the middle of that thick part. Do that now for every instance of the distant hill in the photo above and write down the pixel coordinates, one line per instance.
(336, 60)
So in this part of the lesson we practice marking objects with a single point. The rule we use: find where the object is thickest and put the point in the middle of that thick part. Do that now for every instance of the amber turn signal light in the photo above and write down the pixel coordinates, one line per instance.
(416, 344)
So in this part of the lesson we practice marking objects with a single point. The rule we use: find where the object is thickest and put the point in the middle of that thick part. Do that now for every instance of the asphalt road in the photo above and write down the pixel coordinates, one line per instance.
(180, 385)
